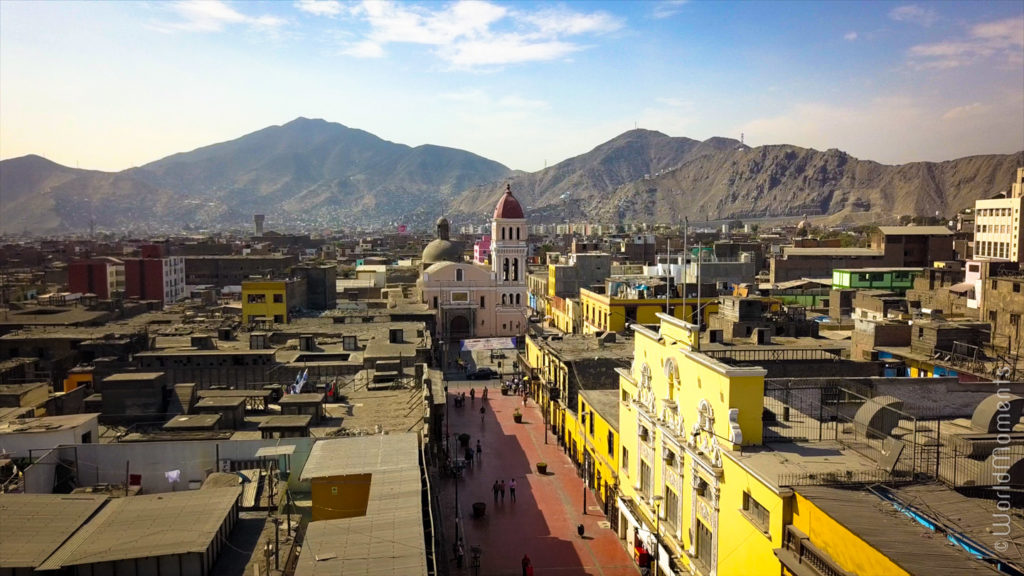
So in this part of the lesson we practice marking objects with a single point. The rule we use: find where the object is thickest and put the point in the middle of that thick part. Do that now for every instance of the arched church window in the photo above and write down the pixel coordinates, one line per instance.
(504, 270)
(515, 269)
(517, 233)
(458, 275)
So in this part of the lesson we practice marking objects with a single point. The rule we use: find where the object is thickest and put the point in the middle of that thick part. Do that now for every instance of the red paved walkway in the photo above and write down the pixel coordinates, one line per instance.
(542, 523)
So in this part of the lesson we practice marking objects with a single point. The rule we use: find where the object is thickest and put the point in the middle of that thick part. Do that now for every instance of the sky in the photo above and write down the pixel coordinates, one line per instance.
(109, 86)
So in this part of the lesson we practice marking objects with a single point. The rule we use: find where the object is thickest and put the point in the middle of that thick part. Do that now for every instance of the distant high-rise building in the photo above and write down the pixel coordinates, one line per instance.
(998, 227)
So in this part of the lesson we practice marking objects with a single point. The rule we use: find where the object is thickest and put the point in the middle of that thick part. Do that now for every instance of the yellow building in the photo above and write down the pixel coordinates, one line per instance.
(559, 367)
(598, 413)
(270, 300)
(698, 491)
(610, 312)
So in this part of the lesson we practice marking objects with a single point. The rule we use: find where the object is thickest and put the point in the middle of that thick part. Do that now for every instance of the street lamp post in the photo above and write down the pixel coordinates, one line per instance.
(657, 531)
(583, 458)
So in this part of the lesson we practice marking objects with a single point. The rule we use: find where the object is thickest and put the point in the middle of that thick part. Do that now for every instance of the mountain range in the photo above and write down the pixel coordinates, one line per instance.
(314, 174)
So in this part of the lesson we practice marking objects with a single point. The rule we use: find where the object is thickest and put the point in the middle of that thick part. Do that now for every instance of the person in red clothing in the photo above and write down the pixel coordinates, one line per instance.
(527, 566)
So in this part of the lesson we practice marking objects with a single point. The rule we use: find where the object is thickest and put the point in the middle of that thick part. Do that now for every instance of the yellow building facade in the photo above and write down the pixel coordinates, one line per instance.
(265, 299)
(603, 312)
(684, 502)
(597, 433)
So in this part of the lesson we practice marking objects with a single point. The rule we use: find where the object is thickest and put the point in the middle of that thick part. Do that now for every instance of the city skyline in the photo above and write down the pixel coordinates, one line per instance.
(112, 85)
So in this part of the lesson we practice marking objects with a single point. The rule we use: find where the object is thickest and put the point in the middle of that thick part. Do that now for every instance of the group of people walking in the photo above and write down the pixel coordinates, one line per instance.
(499, 490)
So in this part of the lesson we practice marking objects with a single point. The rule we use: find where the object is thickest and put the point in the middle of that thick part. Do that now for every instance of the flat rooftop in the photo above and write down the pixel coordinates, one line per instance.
(361, 454)
(782, 464)
(45, 423)
(910, 545)
(35, 525)
(147, 526)
(606, 403)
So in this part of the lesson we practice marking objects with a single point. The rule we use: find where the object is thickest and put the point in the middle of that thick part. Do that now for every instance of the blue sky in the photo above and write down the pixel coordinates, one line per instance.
(114, 85)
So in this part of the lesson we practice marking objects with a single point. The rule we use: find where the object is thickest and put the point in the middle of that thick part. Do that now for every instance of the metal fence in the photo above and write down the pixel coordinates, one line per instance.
(904, 447)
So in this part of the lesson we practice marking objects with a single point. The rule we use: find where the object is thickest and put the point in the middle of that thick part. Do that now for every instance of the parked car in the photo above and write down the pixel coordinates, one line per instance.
(482, 374)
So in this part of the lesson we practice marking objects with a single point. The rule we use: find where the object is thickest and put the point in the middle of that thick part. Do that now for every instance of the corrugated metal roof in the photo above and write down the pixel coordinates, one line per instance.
(388, 540)
(33, 526)
(151, 525)
(913, 547)
(361, 454)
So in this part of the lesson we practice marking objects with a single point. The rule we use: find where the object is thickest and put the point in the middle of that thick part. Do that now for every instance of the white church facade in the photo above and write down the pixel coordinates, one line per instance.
(472, 300)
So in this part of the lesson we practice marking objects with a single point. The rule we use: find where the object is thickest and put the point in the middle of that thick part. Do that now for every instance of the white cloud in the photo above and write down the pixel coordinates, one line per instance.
(850, 36)
(914, 14)
(320, 7)
(668, 8)
(214, 16)
(364, 49)
(973, 109)
(1001, 38)
(471, 34)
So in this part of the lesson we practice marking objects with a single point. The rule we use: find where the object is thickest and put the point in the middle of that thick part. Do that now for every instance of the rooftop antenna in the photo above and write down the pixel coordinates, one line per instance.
(668, 275)
(741, 137)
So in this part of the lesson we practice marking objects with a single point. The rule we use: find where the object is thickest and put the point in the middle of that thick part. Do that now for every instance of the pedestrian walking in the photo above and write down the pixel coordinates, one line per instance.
(482, 411)
(495, 488)
(512, 489)
(527, 565)
(479, 450)
(484, 394)
(460, 554)
(525, 397)
(501, 490)
(472, 395)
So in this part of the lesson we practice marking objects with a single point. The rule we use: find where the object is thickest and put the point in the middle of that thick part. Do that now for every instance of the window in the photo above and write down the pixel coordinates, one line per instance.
(458, 275)
(704, 545)
(1016, 287)
(611, 443)
(257, 298)
(645, 478)
(435, 302)
(278, 298)
(755, 512)
(279, 318)
(671, 509)
(482, 305)
(625, 460)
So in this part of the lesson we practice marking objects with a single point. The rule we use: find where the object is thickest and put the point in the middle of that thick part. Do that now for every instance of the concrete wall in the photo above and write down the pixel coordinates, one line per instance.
(943, 397)
(107, 463)
(19, 445)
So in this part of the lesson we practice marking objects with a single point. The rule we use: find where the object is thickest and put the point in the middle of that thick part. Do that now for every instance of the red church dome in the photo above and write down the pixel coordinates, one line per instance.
(508, 206)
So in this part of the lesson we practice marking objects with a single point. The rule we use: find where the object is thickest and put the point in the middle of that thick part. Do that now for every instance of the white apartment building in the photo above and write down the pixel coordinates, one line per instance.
(998, 226)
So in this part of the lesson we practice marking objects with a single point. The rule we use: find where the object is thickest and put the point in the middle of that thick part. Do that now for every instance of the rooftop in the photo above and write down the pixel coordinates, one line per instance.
(785, 464)
(831, 252)
(361, 454)
(913, 547)
(606, 403)
(148, 526)
(915, 230)
(35, 525)
(45, 423)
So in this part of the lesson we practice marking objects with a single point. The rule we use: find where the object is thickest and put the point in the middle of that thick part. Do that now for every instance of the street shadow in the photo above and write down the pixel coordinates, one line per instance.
(507, 530)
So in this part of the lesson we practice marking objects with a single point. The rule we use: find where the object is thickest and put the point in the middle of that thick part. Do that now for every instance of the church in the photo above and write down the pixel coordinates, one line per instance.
(472, 300)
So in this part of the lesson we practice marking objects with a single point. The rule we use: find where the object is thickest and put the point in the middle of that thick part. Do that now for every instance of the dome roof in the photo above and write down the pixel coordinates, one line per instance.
(441, 251)
(508, 206)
